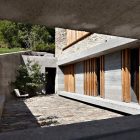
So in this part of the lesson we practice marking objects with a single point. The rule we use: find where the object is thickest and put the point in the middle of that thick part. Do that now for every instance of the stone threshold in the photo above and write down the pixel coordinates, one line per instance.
(129, 108)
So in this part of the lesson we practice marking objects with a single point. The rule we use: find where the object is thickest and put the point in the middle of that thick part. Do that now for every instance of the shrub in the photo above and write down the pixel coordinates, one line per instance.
(29, 78)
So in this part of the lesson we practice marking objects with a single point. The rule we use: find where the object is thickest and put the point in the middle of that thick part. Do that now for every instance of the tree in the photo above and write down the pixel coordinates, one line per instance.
(21, 35)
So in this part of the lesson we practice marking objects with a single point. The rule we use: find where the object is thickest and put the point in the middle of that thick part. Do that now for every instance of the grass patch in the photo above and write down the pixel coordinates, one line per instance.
(7, 50)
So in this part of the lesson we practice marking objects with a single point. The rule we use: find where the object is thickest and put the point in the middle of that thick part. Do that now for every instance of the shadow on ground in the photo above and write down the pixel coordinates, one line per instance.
(17, 116)
(115, 128)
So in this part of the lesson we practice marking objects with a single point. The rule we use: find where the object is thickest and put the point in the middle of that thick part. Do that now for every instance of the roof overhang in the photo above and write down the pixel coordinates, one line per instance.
(115, 17)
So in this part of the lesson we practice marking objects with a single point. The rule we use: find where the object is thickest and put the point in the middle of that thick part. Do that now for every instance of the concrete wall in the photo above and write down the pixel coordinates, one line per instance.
(60, 43)
(113, 76)
(59, 80)
(79, 78)
(43, 61)
(8, 70)
(89, 42)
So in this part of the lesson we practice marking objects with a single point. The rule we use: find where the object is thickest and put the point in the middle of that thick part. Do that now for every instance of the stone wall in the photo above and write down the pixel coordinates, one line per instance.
(60, 41)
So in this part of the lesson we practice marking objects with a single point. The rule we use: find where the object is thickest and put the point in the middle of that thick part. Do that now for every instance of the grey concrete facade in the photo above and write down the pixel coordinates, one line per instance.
(113, 76)
(96, 45)
(110, 46)
(79, 78)
(59, 80)
(43, 61)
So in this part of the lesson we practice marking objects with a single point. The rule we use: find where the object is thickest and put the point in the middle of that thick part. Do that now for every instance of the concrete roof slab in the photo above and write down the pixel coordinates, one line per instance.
(115, 17)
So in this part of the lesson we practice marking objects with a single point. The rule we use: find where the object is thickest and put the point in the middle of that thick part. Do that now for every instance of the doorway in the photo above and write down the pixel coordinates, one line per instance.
(134, 71)
(50, 78)
(98, 76)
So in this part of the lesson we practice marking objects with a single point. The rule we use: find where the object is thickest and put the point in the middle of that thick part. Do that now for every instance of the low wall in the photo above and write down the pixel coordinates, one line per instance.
(9, 63)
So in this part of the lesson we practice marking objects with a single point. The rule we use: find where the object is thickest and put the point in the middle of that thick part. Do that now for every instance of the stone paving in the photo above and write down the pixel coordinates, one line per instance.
(45, 111)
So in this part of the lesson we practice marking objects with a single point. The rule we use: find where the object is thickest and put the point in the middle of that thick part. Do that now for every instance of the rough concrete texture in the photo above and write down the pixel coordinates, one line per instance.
(90, 41)
(48, 111)
(113, 76)
(60, 41)
(112, 45)
(118, 17)
(43, 61)
(8, 70)
(59, 80)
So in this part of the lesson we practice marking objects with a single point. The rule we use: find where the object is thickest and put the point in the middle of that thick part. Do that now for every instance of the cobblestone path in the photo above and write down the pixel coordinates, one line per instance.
(45, 111)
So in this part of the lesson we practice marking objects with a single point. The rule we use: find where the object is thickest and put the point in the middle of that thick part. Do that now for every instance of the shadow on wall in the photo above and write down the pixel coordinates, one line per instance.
(9, 64)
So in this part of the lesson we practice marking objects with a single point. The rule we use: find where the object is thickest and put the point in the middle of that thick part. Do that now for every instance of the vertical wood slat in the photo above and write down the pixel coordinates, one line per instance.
(95, 77)
(126, 75)
(69, 78)
(73, 35)
(102, 86)
(90, 77)
(87, 80)
(85, 77)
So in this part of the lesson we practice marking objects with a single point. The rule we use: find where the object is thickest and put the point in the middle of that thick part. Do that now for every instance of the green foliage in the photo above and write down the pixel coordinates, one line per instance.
(41, 47)
(29, 78)
(7, 50)
(24, 35)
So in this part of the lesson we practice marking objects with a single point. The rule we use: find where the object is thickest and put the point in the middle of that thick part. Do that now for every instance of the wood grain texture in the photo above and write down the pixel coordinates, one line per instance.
(102, 84)
(90, 77)
(126, 75)
(73, 35)
(69, 78)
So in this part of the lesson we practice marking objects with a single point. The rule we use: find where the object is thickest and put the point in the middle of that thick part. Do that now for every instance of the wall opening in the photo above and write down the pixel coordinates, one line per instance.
(50, 78)
(134, 71)
(98, 76)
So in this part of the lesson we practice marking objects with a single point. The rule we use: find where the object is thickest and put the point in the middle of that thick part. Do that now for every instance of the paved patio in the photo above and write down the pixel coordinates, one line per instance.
(45, 111)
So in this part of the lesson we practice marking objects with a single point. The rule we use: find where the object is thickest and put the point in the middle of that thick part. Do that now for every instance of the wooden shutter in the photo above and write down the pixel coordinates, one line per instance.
(90, 77)
(102, 77)
(126, 75)
(73, 36)
(69, 78)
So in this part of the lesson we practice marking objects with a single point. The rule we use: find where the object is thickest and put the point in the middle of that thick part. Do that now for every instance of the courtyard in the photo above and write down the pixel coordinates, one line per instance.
(47, 111)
